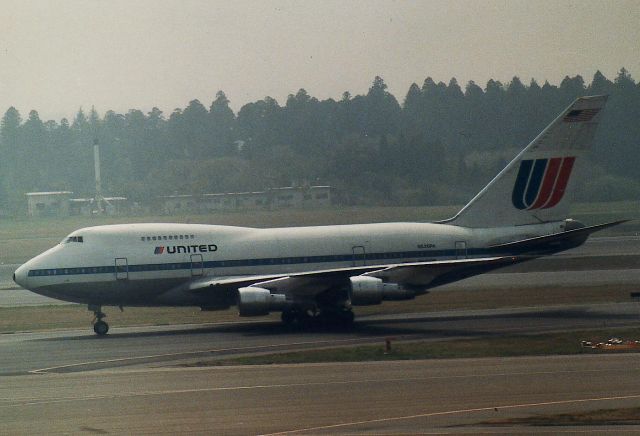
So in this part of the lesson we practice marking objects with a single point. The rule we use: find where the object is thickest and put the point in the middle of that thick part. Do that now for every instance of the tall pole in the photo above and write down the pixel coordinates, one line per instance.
(96, 164)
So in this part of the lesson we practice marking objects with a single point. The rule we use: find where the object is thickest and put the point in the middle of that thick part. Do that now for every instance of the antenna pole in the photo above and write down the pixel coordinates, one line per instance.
(96, 163)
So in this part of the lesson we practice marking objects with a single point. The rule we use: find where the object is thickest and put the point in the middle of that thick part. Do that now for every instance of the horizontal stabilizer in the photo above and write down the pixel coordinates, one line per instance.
(553, 243)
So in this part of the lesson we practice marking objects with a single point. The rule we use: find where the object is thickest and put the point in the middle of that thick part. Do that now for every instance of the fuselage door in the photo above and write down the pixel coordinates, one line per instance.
(359, 255)
(122, 268)
(197, 265)
(461, 250)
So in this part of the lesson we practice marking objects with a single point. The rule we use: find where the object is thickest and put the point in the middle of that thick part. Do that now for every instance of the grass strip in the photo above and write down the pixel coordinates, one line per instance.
(503, 346)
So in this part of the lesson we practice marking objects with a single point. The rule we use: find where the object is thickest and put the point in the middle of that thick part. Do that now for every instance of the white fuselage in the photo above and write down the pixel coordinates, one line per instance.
(141, 264)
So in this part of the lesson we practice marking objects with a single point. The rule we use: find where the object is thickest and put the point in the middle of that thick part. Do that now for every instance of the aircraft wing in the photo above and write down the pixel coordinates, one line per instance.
(431, 274)
(417, 274)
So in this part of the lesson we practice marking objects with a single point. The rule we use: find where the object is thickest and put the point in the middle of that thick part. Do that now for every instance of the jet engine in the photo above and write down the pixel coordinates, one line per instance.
(367, 291)
(254, 301)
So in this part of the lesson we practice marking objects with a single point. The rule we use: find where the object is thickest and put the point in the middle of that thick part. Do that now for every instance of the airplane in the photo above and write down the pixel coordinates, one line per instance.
(320, 273)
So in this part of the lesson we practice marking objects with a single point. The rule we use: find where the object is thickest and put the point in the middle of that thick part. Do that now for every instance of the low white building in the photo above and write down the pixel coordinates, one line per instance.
(277, 198)
(87, 206)
(60, 203)
(54, 203)
(178, 203)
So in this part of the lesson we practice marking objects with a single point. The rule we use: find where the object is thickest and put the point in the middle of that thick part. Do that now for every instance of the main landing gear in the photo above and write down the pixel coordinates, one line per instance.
(329, 317)
(99, 326)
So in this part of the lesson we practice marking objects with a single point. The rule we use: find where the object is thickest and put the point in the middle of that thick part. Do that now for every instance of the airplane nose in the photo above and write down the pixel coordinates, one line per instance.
(20, 276)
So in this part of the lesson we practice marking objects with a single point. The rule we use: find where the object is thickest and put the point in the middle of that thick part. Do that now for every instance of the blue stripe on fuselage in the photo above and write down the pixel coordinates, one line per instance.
(234, 263)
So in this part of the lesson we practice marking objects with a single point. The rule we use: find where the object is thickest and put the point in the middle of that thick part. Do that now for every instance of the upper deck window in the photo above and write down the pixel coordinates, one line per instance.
(160, 238)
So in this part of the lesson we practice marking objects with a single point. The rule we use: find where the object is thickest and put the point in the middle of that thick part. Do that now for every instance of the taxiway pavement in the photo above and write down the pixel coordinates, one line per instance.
(81, 350)
(437, 396)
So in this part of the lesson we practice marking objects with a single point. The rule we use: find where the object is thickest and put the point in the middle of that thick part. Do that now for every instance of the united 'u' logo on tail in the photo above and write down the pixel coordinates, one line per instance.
(541, 183)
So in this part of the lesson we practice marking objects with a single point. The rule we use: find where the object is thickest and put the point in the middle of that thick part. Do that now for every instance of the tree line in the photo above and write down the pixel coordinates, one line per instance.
(437, 146)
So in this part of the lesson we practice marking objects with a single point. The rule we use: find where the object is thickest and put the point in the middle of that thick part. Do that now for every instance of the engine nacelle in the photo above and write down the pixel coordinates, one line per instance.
(367, 291)
(254, 301)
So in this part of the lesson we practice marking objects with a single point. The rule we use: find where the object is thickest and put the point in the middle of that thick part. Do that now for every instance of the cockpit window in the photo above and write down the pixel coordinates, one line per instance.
(74, 239)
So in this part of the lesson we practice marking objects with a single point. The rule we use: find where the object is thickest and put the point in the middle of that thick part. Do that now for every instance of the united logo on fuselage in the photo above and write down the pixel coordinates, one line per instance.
(541, 183)
(172, 249)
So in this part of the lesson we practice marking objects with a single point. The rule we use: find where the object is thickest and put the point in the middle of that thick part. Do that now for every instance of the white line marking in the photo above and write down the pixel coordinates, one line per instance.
(35, 401)
(192, 353)
(449, 412)
(13, 402)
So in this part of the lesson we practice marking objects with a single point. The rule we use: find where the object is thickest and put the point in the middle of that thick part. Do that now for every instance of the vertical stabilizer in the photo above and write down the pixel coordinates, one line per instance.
(537, 186)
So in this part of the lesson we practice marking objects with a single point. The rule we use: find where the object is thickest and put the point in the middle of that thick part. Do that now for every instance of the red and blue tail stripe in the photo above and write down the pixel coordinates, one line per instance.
(541, 183)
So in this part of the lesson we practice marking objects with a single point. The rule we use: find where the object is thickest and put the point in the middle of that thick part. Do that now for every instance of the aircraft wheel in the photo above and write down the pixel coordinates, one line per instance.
(288, 317)
(304, 318)
(347, 317)
(101, 328)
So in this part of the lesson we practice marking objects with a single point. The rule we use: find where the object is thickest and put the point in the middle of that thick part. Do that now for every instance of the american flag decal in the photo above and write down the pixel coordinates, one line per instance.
(159, 250)
(580, 115)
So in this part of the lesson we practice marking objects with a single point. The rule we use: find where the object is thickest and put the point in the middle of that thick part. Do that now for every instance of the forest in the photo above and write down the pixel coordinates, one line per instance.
(436, 146)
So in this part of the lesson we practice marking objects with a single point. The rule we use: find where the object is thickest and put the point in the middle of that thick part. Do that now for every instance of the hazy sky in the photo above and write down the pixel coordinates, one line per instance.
(56, 56)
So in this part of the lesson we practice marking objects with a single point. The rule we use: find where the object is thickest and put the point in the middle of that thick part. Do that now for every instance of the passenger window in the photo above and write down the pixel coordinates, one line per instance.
(164, 237)
(142, 239)
(153, 237)
(192, 236)
(181, 237)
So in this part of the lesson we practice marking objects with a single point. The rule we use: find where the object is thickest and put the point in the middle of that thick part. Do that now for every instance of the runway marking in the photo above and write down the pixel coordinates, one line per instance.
(35, 401)
(192, 353)
(450, 412)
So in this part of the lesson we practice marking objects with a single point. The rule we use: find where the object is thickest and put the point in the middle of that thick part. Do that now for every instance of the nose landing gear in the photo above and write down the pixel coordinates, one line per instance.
(100, 327)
